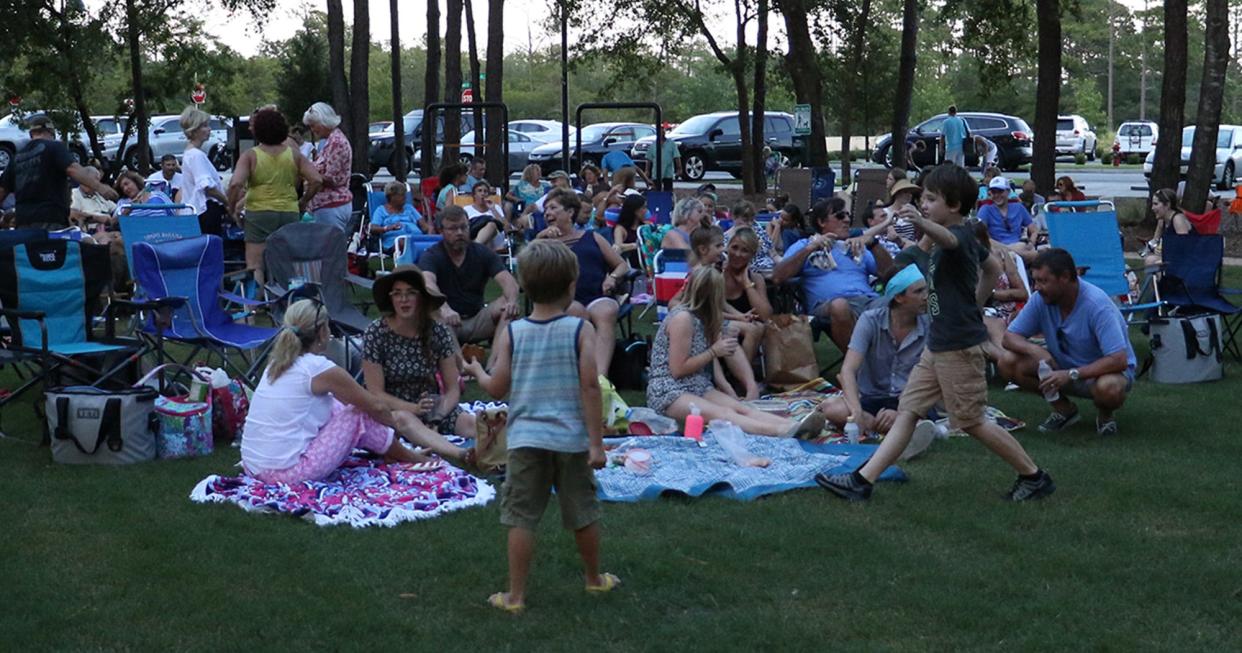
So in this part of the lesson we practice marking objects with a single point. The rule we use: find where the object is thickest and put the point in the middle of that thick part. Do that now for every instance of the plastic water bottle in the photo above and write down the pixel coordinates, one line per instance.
(694, 424)
(851, 431)
(1045, 371)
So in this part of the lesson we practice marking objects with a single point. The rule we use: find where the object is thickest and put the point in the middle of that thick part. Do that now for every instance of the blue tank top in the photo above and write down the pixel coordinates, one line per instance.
(591, 269)
(545, 401)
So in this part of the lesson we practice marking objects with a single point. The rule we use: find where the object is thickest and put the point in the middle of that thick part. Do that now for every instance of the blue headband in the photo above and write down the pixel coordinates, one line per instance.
(908, 276)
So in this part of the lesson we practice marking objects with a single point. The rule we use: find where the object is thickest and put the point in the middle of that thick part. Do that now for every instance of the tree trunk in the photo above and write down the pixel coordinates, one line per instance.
(804, 71)
(336, 64)
(1048, 90)
(431, 78)
(858, 40)
(359, 91)
(1165, 169)
(759, 101)
(140, 99)
(1216, 55)
(497, 168)
(905, 81)
(743, 111)
(476, 89)
(398, 123)
(452, 83)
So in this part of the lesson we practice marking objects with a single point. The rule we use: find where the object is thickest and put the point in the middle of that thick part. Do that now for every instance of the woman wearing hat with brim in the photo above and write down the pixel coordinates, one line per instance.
(406, 348)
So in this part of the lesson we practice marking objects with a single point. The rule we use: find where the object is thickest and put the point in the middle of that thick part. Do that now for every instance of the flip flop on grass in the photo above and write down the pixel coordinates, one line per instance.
(500, 601)
(608, 583)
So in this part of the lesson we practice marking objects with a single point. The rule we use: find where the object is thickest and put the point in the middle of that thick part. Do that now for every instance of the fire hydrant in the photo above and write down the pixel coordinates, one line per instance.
(1116, 154)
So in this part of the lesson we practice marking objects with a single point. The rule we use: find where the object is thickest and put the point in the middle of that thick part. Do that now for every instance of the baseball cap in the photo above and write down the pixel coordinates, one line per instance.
(998, 183)
(41, 123)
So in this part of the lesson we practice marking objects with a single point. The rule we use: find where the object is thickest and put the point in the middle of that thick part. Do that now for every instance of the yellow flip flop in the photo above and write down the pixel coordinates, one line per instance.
(610, 583)
(500, 601)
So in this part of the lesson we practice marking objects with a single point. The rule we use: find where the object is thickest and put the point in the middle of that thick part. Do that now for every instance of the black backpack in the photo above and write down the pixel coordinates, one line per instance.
(628, 370)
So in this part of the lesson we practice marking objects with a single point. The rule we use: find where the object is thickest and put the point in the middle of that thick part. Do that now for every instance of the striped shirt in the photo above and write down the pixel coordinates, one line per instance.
(545, 404)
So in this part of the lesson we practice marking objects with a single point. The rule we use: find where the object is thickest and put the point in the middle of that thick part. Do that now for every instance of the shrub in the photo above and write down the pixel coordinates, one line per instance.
(1080, 159)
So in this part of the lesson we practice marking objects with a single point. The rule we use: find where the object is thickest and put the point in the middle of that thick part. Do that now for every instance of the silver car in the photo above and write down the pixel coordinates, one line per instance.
(520, 145)
(1228, 155)
(14, 136)
(165, 137)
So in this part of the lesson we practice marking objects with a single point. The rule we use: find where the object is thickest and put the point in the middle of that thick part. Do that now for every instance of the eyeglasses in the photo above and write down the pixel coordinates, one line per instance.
(404, 294)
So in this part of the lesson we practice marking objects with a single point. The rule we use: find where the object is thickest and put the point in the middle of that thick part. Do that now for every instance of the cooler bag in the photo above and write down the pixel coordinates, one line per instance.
(1186, 349)
(185, 427)
(93, 426)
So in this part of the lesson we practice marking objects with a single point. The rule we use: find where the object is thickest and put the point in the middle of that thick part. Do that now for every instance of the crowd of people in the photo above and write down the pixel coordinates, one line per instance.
(939, 281)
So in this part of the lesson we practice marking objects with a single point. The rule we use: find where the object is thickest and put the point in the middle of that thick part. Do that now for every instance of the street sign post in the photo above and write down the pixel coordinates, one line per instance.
(802, 119)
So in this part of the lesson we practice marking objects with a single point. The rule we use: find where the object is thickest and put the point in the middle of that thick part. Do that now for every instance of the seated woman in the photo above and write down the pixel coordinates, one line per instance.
(591, 181)
(487, 221)
(307, 414)
(625, 234)
(133, 190)
(528, 190)
(600, 269)
(394, 218)
(1168, 216)
(762, 259)
(746, 292)
(686, 217)
(788, 228)
(406, 348)
(1008, 294)
(686, 371)
(451, 176)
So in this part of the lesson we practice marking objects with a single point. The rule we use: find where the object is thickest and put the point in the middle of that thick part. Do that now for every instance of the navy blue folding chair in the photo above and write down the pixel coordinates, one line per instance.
(1190, 282)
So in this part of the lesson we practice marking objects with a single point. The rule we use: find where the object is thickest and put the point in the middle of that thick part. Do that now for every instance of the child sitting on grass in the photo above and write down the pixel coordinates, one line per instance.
(952, 368)
(554, 399)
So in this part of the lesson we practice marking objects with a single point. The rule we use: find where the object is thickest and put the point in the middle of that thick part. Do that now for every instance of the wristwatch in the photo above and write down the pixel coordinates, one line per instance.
(1073, 374)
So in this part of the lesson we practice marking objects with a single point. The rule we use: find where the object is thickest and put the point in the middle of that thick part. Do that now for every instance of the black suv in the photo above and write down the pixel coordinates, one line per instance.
(597, 140)
(713, 141)
(1010, 133)
(381, 153)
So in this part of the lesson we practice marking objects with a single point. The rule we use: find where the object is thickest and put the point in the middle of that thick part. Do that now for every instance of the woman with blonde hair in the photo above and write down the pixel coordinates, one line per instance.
(268, 174)
(201, 187)
(334, 201)
(686, 217)
(686, 370)
(307, 414)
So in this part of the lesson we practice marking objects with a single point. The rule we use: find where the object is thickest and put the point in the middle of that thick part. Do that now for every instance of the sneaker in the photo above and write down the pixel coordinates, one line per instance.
(1106, 427)
(1057, 422)
(1030, 490)
(920, 440)
(846, 486)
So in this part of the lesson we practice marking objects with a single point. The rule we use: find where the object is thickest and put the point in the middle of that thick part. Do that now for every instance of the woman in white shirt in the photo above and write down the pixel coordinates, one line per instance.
(201, 187)
(307, 414)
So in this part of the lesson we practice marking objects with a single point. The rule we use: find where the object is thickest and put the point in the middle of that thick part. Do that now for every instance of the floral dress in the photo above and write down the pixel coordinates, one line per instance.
(411, 364)
(662, 388)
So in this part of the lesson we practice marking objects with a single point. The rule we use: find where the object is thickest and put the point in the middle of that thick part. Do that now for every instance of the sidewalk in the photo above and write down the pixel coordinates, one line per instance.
(1229, 260)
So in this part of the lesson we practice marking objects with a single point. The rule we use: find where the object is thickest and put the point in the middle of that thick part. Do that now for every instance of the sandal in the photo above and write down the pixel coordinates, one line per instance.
(610, 582)
(500, 601)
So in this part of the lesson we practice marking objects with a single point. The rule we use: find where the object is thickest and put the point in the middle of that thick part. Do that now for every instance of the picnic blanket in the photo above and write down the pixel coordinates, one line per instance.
(362, 492)
(680, 465)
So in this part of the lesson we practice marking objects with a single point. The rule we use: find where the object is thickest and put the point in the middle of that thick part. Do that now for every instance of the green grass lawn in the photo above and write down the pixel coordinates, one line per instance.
(1140, 548)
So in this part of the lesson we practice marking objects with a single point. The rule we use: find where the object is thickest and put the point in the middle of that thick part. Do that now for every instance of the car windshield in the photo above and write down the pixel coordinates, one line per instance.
(695, 125)
(1224, 138)
(594, 133)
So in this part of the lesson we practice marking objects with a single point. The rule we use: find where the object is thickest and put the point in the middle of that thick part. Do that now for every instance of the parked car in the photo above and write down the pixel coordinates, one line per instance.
(382, 148)
(1137, 137)
(1075, 135)
(520, 146)
(713, 141)
(597, 140)
(544, 131)
(379, 126)
(14, 135)
(1228, 155)
(164, 136)
(1011, 134)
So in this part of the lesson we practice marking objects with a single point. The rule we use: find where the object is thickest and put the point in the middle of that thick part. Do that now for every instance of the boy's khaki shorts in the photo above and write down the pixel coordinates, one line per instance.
(958, 377)
(529, 478)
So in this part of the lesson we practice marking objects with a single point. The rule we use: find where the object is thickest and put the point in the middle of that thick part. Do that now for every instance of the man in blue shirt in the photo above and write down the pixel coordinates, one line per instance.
(1008, 221)
(618, 159)
(836, 270)
(953, 134)
(1087, 345)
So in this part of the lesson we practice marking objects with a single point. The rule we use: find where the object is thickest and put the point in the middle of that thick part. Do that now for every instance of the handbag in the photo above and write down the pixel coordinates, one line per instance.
(1187, 349)
(789, 352)
(231, 404)
(491, 426)
(628, 369)
(185, 427)
(89, 425)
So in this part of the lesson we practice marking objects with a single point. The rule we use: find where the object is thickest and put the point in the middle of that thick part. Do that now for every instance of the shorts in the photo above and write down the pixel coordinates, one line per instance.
(858, 304)
(261, 224)
(1083, 387)
(958, 377)
(531, 475)
(874, 405)
(478, 328)
(957, 157)
(477, 224)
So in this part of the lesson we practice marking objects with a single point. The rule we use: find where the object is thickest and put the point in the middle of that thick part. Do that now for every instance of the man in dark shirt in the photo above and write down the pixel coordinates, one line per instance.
(39, 177)
(460, 269)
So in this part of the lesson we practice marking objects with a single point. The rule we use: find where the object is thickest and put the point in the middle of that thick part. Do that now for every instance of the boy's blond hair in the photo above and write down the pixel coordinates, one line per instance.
(546, 268)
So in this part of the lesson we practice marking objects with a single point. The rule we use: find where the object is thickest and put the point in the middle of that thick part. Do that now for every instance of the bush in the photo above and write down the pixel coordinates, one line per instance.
(1080, 159)
(1107, 158)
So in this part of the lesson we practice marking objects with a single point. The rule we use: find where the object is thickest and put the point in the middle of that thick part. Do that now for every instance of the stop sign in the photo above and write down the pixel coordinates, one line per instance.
(15, 100)
(467, 95)
(199, 95)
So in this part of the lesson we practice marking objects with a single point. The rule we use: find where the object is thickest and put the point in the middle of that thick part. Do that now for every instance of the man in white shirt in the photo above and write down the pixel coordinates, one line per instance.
(168, 176)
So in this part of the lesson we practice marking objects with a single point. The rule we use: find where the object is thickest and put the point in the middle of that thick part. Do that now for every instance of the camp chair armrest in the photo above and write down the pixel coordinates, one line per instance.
(38, 316)
(1230, 291)
(162, 306)
(1138, 308)
(238, 274)
(246, 301)
(361, 282)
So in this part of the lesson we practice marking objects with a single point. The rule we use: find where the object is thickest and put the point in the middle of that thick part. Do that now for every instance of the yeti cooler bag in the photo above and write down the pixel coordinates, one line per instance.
(104, 427)
(1186, 349)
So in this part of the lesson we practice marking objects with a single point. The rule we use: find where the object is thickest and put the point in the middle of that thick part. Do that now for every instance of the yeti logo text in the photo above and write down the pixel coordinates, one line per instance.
(88, 413)
(47, 257)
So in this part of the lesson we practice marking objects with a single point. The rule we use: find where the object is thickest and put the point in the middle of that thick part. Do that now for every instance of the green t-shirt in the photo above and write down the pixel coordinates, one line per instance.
(667, 169)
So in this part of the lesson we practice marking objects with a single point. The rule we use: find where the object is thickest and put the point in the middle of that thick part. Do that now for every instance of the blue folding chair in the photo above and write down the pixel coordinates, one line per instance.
(192, 269)
(1093, 238)
(1190, 281)
(409, 248)
(660, 204)
(155, 223)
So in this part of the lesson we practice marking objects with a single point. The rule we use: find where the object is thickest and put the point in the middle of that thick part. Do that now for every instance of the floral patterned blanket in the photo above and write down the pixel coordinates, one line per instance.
(363, 492)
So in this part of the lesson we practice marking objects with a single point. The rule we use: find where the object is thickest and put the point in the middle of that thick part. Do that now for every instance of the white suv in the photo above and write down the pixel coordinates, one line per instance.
(1137, 137)
(1074, 135)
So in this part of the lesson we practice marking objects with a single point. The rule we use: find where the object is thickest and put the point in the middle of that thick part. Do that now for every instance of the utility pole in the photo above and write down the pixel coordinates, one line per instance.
(1143, 65)
(565, 158)
(1112, 38)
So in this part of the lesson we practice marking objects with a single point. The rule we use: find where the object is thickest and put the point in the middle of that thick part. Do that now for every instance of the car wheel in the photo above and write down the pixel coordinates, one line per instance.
(694, 166)
(1091, 152)
(1227, 177)
(886, 156)
(6, 156)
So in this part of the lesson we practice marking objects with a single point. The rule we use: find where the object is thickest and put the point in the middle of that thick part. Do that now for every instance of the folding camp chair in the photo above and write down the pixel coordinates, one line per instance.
(193, 269)
(407, 249)
(660, 205)
(46, 288)
(144, 226)
(313, 253)
(671, 268)
(1190, 282)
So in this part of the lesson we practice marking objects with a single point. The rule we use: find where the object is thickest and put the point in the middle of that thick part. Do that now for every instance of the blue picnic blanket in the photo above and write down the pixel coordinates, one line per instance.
(680, 465)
